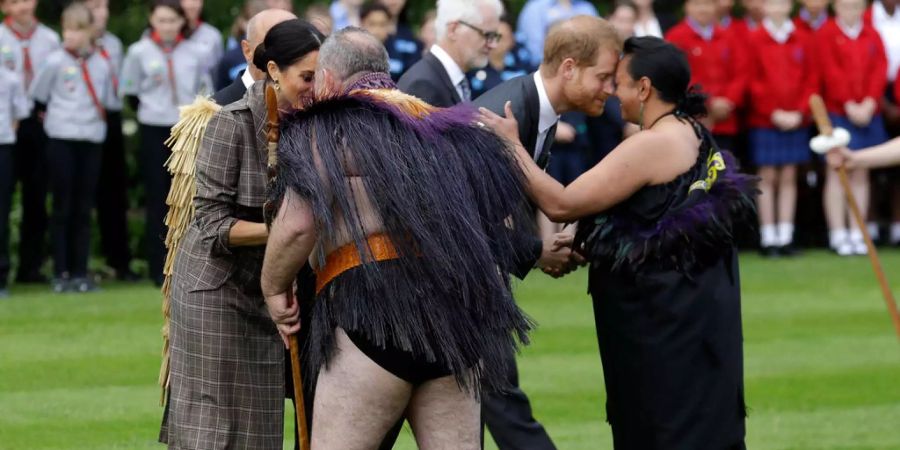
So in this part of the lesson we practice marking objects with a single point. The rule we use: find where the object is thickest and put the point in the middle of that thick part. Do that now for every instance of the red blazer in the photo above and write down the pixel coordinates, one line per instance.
(851, 69)
(782, 76)
(804, 25)
(718, 65)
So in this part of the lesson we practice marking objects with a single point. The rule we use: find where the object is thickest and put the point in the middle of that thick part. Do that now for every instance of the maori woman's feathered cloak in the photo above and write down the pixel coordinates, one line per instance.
(449, 194)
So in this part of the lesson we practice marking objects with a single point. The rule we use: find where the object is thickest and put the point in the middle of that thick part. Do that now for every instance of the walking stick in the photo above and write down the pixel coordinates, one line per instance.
(268, 208)
(820, 115)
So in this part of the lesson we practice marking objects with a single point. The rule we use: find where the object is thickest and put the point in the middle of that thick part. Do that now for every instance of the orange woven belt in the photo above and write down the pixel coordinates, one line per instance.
(347, 257)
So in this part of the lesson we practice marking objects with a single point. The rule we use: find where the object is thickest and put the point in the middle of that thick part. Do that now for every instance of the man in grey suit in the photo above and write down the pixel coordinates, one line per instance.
(577, 73)
(466, 33)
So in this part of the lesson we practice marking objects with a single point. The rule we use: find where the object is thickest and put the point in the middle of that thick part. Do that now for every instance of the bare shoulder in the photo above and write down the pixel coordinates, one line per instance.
(663, 152)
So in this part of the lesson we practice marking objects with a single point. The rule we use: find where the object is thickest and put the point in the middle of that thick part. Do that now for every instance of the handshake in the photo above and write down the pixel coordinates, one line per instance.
(557, 256)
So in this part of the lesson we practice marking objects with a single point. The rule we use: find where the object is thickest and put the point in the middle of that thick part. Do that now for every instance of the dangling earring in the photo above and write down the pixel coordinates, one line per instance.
(641, 117)
(277, 86)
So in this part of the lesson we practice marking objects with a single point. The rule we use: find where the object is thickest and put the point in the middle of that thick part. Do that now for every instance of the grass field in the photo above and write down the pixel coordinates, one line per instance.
(822, 361)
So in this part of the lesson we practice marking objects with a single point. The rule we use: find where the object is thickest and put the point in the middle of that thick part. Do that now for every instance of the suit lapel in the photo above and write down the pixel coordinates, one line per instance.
(533, 108)
(441, 72)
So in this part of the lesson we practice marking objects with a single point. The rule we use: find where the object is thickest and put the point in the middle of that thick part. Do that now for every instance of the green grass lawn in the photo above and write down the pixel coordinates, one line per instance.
(822, 361)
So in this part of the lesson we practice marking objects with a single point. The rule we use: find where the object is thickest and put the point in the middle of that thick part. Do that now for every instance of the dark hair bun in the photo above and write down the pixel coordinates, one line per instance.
(693, 103)
(667, 68)
(260, 58)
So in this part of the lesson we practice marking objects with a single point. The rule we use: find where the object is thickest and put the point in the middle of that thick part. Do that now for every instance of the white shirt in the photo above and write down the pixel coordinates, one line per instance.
(247, 79)
(648, 28)
(547, 117)
(851, 32)
(782, 34)
(888, 27)
(456, 74)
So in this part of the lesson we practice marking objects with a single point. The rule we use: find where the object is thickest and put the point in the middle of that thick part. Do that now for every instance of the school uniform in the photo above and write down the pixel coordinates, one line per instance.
(853, 67)
(516, 62)
(806, 22)
(77, 90)
(14, 107)
(162, 78)
(25, 54)
(210, 39)
(403, 49)
(783, 76)
(719, 64)
(112, 191)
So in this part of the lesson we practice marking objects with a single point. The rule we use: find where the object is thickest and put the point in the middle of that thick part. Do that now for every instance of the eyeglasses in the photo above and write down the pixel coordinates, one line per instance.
(492, 37)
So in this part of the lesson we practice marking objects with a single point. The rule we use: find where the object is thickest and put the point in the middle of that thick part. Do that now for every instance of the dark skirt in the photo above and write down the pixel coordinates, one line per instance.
(862, 137)
(773, 147)
(671, 347)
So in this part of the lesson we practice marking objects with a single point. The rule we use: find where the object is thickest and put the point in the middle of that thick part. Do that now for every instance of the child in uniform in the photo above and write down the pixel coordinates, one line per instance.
(718, 63)
(112, 195)
(75, 86)
(14, 107)
(161, 72)
(202, 33)
(782, 78)
(854, 71)
(25, 44)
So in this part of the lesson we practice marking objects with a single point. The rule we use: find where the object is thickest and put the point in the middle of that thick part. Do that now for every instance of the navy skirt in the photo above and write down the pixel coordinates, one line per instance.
(773, 147)
(862, 137)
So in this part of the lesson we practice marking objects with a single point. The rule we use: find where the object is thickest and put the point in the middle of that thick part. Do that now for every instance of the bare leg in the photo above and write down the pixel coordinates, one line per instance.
(835, 204)
(443, 416)
(787, 194)
(766, 199)
(357, 401)
(859, 183)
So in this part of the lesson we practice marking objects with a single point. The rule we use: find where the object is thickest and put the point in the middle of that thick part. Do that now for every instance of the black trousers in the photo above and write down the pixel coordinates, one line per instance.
(152, 158)
(7, 184)
(508, 417)
(112, 197)
(31, 171)
(74, 170)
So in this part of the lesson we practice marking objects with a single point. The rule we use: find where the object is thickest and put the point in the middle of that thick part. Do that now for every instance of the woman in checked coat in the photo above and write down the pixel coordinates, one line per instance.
(226, 382)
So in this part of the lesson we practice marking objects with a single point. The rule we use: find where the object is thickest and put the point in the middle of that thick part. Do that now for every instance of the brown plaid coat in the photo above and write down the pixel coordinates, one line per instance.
(227, 361)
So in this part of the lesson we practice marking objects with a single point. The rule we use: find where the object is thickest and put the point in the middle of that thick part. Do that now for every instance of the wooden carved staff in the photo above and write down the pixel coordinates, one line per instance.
(272, 134)
(823, 122)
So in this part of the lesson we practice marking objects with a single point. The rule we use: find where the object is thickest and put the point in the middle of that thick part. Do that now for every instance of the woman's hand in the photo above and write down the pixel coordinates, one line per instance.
(840, 157)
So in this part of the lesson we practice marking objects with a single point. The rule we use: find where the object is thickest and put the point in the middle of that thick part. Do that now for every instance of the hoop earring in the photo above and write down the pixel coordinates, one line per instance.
(641, 117)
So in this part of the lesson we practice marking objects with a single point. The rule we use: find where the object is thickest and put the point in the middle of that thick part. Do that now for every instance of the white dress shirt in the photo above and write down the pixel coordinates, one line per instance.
(888, 27)
(456, 74)
(547, 117)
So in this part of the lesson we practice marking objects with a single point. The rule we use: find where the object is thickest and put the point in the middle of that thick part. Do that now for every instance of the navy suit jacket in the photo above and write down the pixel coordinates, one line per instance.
(526, 106)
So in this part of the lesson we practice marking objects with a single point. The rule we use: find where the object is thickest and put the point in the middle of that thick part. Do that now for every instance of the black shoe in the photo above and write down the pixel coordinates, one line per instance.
(31, 278)
(788, 250)
(127, 275)
(769, 252)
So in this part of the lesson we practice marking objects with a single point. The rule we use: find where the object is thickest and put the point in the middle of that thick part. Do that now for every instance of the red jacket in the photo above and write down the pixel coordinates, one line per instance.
(782, 76)
(851, 69)
(718, 65)
(805, 26)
